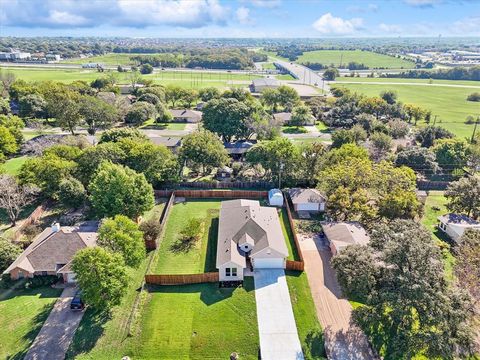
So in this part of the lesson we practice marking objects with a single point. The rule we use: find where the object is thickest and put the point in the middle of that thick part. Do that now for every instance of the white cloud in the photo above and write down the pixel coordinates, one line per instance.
(65, 18)
(266, 3)
(422, 3)
(243, 15)
(390, 28)
(360, 9)
(467, 26)
(328, 24)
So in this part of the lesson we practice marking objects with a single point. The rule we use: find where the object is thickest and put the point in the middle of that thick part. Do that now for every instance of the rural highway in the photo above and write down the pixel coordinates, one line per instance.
(304, 74)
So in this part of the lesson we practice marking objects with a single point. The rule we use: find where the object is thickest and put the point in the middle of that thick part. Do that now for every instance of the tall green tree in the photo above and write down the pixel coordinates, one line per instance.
(451, 153)
(123, 236)
(301, 115)
(97, 114)
(204, 150)
(467, 264)
(463, 196)
(101, 275)
(64, 106)
(8, 253)
(116, 189)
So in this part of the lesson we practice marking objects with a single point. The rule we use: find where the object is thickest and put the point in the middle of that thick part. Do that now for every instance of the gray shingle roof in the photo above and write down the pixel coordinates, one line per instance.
(301, 196)
(458, 219)
(186, 113)
(246, 221)
(342, 234)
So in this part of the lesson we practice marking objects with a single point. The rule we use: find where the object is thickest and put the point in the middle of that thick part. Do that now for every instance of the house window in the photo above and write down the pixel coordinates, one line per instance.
(227, 272)
(234, 272)
(44, 273)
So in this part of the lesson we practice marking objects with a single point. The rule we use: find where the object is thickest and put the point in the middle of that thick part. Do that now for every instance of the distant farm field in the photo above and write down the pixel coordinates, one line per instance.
(108, 59)
(435, 82)
(448, 103)
(340, 58)
(190, 79)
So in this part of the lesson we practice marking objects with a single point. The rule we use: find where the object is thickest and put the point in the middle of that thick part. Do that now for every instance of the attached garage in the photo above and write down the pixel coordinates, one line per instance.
(70, 277)
(268, 263)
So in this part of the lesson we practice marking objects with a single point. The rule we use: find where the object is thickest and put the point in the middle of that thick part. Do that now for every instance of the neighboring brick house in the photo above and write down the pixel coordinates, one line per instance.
(52, 251)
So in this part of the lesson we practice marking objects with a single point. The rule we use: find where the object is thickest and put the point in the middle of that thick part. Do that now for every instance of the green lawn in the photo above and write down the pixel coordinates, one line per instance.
(268, 66)
(368, 58)
(448, 103)
(308, 327)
(287, 232)
(13, 165)
(199, 322)
(436, 199)
(156, 211)
(201, 258)
(473, 84)
(285, 77)
(151, 124)
(22, 313)
(294, 130)
(322, 127)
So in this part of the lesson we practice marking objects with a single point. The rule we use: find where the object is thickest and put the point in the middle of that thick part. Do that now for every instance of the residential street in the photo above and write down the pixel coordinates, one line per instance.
(276, 323)
(343, 340)
(54, 338)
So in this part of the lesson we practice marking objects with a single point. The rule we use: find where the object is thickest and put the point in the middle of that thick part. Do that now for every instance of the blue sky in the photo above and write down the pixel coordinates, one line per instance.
(240, 18)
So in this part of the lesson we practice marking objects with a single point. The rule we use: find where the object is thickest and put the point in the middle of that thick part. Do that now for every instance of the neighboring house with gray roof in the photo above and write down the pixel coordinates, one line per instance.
(310, 200)
(171, 142)
(342, 234)
(283, 118)
(454, 225)
(186, 115)
(52, 251)
(248, 231)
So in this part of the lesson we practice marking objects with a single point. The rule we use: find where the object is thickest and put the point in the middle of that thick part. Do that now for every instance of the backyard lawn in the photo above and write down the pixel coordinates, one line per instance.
(170, 257)
(13, 165)
(448, 103)
(341, 58)
(436, 200)
(22, 314)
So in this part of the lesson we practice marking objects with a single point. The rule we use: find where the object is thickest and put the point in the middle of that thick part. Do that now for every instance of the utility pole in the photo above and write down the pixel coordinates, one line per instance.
(475, 130)
(280, 175)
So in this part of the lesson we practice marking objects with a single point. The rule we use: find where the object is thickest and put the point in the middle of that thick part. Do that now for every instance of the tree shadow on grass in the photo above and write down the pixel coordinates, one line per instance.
(314, 345)
(211, 253)
(182, 245)
(91, 328)
(34, 328)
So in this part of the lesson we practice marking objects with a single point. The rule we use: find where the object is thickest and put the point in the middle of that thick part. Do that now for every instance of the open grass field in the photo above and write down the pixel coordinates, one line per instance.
(473, 84)
(191, 79)
(434, 207)
(340, 58)
(448, 103)
(171, 257)
(13, 165)
(22, 314)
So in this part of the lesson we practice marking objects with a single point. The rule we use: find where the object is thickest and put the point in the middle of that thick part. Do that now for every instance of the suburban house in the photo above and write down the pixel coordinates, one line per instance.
(186, 115)
(171, 142)
(283, 118)
(238, 148)
(310, 200)
(249, 235)
(454, 225)
(342, 234)
(258, 85)
(52, 251)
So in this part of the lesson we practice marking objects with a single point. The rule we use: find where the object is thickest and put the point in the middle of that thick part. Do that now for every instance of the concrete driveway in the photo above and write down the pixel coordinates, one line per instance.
(343, 340)
(276, 323)
(54, 338)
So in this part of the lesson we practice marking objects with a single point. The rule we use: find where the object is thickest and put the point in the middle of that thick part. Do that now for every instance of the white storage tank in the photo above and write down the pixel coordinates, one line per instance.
(275, 197)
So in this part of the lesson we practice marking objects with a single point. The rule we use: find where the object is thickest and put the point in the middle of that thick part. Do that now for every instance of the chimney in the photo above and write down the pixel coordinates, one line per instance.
(56, 227)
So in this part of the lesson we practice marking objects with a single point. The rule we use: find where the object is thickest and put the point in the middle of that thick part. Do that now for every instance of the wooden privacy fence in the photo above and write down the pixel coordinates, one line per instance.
(432, 185)
(209, 277)
(212, 194)
(152, 244)
(227, 185)
(295, 265)
(290, 221)
(32, 219)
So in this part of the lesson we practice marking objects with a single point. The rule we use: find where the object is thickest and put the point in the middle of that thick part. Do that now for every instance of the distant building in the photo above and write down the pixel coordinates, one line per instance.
(258, 85)
(342, 234)
(454, 225)
(14, 55)
(53, 57)
(171, 142)
(186, 115)
(284, 118)
(239, 148)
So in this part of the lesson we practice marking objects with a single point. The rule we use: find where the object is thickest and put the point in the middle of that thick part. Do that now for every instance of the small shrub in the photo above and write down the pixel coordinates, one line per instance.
(40, 281)
(30, 231)
(151, 229)
(474, 97)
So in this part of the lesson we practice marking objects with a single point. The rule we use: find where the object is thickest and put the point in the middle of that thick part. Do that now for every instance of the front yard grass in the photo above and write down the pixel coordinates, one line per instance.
(13, 165)
(294, 130)
(199, 321)
(152, 125)
(201, 257)
(22, 314)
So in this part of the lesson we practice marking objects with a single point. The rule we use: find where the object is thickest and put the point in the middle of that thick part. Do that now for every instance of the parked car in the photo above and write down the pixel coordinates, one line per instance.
(77, 302)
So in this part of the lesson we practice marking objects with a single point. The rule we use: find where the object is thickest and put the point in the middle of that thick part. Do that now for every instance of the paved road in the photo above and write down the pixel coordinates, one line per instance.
(276, 323)
(406, 83)
(54, 338)
(304, 74)
(343, 340)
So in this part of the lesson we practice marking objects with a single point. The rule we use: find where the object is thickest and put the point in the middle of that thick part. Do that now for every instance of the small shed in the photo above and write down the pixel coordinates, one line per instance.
(275, 197)
(307, 200)
(454, 225)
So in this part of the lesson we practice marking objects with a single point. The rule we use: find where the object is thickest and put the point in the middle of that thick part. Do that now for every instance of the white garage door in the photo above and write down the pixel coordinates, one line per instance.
(70, 277)
(307, 207)
(274, 263)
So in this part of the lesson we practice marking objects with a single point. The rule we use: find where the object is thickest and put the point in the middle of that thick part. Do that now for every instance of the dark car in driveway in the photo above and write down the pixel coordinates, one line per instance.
(77, 302)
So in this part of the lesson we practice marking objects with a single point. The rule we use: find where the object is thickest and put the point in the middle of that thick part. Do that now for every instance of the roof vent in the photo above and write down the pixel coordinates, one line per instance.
(56, 227)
